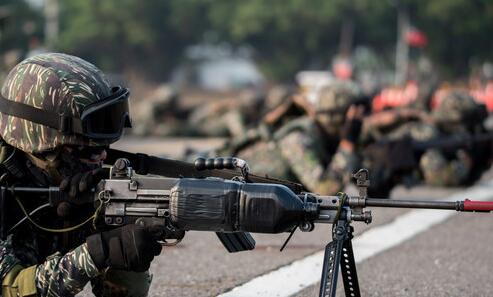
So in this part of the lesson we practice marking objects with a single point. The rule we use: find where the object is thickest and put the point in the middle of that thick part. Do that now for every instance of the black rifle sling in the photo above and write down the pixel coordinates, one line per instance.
(145, 164)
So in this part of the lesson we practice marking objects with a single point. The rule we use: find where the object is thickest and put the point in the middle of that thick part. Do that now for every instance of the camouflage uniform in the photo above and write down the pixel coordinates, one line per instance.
(456, 114)
(35, 262)
(304, 150)
(226, 116)
(314, 157)
(159, 113)
(435, 166)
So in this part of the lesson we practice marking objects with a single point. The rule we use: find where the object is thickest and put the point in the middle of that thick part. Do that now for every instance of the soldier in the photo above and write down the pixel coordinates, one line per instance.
(58, 113)
(392, 156)
(318, 148)
(387, 147)
(456, 115)
(227, 116)
(159, 113)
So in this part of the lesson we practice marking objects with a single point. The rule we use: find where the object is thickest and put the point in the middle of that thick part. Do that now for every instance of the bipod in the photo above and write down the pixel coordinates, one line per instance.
(339, 251)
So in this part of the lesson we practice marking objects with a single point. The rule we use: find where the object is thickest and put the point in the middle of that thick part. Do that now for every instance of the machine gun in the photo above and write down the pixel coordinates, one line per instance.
(177, 205)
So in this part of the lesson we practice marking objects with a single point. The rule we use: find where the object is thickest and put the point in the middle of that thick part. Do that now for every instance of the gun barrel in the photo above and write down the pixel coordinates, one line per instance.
(466, 205)
(453, 205)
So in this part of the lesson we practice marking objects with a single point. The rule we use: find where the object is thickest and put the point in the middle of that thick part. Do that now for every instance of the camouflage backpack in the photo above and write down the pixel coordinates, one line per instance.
(53, 84)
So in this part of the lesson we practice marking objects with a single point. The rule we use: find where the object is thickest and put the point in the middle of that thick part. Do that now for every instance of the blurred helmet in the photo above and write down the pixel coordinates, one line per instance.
(51, 100)
(457, 107)
(332, 103)
(336, 96)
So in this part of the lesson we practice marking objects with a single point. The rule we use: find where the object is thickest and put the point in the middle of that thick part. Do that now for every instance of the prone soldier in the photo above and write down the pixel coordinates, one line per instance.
(316, 148)
(458, 115)
(401, 144)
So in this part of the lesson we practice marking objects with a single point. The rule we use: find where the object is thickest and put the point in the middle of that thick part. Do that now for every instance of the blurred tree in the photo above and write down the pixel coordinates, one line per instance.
(286, 35)
(19, 24)
(457, 30)
(123, 34)
(296, 34)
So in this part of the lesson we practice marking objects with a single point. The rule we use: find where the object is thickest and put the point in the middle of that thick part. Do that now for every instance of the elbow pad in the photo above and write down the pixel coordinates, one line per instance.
(19, 281)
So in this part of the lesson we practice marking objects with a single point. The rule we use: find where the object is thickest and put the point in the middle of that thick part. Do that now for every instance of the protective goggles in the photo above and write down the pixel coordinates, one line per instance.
(104, 119)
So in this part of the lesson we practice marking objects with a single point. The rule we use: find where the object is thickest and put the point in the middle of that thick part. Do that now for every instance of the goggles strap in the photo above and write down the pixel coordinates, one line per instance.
(63, 123)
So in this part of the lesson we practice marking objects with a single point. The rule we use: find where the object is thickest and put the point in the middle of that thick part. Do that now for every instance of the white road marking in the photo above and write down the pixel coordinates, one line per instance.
(293, 278)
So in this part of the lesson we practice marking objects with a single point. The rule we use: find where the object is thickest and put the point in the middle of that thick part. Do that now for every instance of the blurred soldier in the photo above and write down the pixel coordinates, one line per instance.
(159, 113)
(392, 136)
(317, 148)
(228, 117)
(456, 115)
(58, 113)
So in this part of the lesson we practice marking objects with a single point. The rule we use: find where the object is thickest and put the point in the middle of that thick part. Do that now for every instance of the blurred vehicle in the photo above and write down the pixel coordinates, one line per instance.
(217, 68)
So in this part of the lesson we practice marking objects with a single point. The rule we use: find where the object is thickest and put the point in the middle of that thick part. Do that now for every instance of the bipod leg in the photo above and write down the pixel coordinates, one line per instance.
(348, 267)
(332, 258)
(330, 270)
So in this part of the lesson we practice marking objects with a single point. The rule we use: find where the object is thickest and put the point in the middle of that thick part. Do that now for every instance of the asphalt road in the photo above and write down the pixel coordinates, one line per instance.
(453, 258)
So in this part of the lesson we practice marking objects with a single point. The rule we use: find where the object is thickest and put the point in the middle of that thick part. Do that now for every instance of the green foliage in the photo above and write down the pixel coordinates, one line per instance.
(123, 33)
(458, 30)
(286, 35)
(18, 24)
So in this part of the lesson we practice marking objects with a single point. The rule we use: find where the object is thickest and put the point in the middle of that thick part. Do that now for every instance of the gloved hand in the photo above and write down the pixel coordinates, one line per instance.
(352, 126)
(82, 181)
(131, 248)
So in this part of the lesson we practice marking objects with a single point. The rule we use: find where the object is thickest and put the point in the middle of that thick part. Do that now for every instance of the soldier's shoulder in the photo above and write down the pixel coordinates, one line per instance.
(419, 131)
(7, 256)
(303, 124)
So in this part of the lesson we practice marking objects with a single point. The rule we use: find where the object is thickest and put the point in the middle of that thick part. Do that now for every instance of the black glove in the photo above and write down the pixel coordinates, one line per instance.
(354, 121)
(351, 130)
(131, 248)
(82, 181)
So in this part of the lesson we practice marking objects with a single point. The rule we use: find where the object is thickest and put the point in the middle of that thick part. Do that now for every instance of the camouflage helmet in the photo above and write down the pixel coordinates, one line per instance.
(332, 102)
(455, 107)
(45, 100)
(337, 96)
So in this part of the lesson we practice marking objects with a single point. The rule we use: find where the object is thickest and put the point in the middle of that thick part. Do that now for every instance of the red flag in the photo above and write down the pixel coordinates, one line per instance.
(416, 38)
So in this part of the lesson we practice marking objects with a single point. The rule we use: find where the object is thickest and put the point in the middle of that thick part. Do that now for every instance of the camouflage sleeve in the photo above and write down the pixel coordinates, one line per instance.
(438, 171)
(7, 256)
(306, 163)
(343, 164)
(65, 275)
